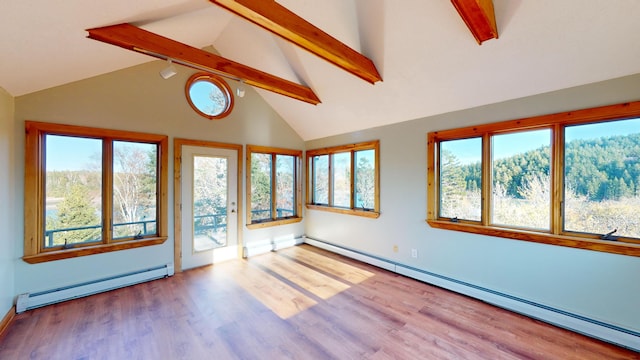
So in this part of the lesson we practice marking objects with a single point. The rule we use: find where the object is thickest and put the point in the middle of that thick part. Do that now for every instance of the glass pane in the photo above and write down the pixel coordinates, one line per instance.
(342, 179)
(260, 187)
(461, 179)
(135, 184)
(365, 178)
(285, 186)
(321, 179)
(210, 183)
(208, 97)
(73, 190)
(521, 187)
(602, 178)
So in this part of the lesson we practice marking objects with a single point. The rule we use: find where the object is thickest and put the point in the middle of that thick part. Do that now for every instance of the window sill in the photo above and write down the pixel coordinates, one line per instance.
(91, 250)
(364, 213)
(265, 224)
(621, 248)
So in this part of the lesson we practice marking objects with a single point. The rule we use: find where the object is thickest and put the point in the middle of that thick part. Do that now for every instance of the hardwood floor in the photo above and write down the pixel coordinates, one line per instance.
(298, 303)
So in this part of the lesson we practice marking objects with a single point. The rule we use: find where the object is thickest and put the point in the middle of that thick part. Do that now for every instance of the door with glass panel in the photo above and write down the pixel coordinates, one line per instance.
(209, 205)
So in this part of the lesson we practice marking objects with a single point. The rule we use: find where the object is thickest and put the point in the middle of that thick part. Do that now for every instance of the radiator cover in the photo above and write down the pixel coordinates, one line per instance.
(574, 322)
(35, 300)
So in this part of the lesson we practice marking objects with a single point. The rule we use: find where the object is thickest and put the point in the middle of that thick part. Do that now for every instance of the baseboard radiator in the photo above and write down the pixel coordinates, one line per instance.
(265, 246)
(574, 322)
(35, 300)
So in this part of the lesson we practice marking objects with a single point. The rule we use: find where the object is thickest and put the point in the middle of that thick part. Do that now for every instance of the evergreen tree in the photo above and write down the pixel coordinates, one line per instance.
(452, 184)
(75, 211)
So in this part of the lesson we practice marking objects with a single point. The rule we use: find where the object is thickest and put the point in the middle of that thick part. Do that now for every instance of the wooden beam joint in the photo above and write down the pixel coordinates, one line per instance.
(280, 21)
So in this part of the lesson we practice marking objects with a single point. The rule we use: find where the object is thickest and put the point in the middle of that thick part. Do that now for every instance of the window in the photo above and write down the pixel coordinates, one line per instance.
(209, 95)
(520, 182)
(273, 186)
(90, 191)
(460, 178)
(602, 179)
(344, 179)
(320, 178)
(569, 179)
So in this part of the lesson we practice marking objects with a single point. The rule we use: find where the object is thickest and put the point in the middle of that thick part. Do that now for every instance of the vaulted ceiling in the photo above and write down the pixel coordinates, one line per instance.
(429, 61)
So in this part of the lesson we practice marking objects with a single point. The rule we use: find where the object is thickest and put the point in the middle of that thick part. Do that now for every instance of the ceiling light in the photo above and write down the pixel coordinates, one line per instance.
(169, 71)
(240, 89)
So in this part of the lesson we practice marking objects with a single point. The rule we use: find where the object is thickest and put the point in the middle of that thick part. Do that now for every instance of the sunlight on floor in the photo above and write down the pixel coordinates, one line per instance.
(288, 281)
(328, 265)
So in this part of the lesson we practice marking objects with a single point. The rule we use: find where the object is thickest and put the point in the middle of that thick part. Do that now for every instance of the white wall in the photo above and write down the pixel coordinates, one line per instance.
(7, 215)
(137, 99)
(597, 285)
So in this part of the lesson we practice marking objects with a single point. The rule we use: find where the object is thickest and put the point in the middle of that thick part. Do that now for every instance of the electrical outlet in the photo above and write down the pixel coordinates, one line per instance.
(414, 253)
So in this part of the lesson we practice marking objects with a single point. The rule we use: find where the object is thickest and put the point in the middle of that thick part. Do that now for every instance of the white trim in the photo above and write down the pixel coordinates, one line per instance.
(381, 263)
(31, 301)
(580, 324)
(285, 242)
(265, 246)
(257, 248)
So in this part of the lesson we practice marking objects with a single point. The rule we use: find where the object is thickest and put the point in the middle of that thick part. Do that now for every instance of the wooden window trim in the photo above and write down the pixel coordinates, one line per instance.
(555, 236)
(352, 148)
(34, 251)
(216, 81)
(274, 221)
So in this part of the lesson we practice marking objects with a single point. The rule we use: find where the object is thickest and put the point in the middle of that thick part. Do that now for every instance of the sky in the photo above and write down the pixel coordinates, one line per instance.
(72, 153)
(75, 153)
(199, 93)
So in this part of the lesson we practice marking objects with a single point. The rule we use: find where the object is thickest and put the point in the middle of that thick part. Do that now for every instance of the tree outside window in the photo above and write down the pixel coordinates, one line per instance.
(100, 190)
(344, 179)
(275, 186)
(567, 179)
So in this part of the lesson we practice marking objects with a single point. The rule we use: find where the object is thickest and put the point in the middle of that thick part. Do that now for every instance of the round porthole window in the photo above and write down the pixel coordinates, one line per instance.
(209, 95)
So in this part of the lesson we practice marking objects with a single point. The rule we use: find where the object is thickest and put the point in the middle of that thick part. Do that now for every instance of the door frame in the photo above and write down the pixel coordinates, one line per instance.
(177, 193)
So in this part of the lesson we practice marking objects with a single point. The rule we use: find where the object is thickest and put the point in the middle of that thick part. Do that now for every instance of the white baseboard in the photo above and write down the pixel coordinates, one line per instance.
(607, 332)
(265, 246)
(31, 301)
(381, 263)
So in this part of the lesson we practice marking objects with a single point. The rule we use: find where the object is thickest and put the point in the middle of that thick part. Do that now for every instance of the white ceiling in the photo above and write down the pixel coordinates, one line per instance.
(428, 59)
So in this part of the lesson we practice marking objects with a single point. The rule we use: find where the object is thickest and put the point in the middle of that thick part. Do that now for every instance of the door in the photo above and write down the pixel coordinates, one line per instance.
(209, 190)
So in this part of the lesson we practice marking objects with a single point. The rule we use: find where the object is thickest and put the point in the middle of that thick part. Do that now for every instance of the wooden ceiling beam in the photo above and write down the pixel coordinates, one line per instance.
(284, 23)
(136, 39)
(479, 17)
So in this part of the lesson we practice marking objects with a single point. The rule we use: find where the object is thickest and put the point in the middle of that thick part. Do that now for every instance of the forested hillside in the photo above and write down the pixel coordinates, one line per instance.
(599, 169)
(601, 194)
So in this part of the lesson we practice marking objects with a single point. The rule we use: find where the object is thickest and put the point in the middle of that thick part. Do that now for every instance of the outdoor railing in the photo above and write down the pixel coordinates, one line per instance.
(202, 223)
(50, 234)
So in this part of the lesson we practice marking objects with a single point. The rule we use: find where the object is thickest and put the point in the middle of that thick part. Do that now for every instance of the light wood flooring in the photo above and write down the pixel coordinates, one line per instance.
(297, 303)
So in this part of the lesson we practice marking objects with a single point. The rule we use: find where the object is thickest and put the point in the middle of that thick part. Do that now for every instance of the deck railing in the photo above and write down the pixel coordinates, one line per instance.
(202, 224)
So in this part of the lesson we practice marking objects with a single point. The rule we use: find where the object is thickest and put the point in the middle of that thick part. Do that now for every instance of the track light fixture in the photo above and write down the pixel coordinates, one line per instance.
(240, 89)
(169, 71)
